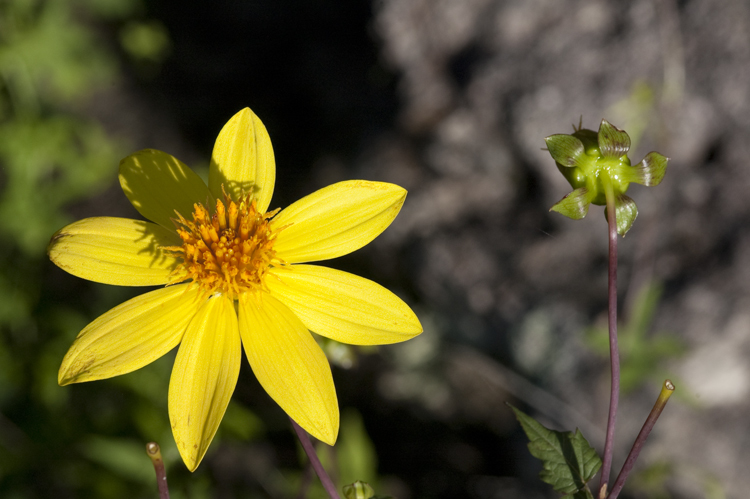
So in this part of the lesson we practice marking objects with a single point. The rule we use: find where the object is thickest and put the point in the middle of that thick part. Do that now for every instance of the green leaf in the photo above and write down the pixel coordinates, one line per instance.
(575, 205)
(626, 211)
(568, 461)
(565, 149)
(650, 171)
(613, 142)
(355, 451)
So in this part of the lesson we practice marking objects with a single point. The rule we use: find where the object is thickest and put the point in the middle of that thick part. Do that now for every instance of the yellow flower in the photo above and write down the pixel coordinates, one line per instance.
(235, 278)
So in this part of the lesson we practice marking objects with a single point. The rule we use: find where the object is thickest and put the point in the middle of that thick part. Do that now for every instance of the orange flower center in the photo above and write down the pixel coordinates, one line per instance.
(228, 252)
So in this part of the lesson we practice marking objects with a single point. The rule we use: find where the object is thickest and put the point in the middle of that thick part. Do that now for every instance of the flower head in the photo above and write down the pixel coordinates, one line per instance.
(595, 163)
(236, 277)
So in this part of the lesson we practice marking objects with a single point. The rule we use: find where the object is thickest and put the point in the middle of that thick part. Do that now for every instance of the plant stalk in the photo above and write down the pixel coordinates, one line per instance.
(666, 391)
(614, 352)
(154, 452)
(304, 439)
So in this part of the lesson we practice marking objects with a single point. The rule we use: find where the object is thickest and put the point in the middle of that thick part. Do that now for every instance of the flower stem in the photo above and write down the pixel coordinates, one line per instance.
(666, 391)
(614, 352)
(154, 452)
(304, 439)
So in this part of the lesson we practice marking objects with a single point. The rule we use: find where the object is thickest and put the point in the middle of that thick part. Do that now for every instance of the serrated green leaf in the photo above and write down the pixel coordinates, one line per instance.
(565, 149)
(575, 205)
(625, 211)
(613, 142)
(568, 461)
(650, 171)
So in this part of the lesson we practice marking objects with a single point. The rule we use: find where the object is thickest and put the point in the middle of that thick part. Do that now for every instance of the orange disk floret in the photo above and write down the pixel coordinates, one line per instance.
(229, 251)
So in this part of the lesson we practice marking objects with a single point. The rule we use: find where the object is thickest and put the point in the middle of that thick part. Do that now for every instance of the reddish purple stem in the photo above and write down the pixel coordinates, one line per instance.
(153, 451)
(614, 352)
(661, 402)
(304, 439)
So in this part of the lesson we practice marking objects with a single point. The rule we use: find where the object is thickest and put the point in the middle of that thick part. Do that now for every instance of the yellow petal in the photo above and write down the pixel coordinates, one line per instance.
(130, 335)
(242, 160)
(158, 184)
(289, 365)
(115, 251)
(336, 220)
(343, 306)
(203, 378)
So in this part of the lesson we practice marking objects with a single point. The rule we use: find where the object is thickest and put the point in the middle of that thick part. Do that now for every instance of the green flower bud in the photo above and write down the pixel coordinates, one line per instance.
(594, 163)
(358, 490)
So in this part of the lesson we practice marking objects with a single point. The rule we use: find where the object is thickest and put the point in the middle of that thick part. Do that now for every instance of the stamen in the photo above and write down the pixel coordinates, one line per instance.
(227, 252)
(221, 215)
(233, 214)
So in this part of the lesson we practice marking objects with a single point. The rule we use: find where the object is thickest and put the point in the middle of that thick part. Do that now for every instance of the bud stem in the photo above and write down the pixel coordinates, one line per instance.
(154, 452)
(666, 391)
(614, 352)
(304, 439)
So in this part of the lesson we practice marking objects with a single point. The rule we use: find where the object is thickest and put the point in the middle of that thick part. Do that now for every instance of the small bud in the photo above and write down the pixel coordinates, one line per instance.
(592, 162)
(358, 490)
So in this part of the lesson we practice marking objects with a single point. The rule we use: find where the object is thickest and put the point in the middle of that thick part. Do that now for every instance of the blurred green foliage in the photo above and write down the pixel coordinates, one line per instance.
(653, 481)
(643, 355)
(636, 110)
(51, 156)
(147, 44)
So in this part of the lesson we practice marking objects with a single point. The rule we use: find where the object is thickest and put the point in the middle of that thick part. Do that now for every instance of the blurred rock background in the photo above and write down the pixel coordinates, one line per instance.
(450, 99)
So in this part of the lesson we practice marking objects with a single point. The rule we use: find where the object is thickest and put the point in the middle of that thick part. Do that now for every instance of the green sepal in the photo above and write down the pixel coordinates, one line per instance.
(650, 171)
(575, 205)
(613, 142)
(566, 150)
(568, 461)
(625, 211)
